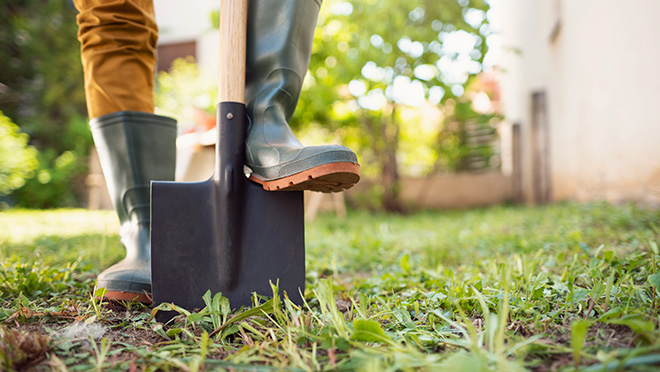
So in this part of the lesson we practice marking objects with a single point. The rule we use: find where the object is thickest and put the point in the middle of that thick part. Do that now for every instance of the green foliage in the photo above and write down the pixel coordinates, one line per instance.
(42, 90)
(654, 281)
(31, 280)
(58, 180)
(364, 70)
(17, 159)
(368, 331)
(42, 74)
(54, 185)
(354, 44)
(578, 335)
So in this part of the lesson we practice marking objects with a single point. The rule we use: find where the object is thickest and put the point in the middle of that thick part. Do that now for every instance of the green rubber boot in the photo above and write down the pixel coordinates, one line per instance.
(279, 45)
(134, 148)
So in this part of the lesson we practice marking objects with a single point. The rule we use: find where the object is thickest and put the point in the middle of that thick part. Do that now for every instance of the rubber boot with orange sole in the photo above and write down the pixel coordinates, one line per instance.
(134, 148)
(279, 45)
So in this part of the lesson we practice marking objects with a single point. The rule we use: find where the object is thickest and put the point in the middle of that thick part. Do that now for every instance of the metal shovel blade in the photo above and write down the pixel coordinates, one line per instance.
(225, 234)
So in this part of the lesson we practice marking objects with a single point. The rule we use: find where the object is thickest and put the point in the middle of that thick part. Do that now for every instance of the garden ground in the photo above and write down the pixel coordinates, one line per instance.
(506, 288)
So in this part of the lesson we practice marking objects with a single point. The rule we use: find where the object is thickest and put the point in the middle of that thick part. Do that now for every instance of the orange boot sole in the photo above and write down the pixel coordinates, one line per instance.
(331, 177)
(128, 296)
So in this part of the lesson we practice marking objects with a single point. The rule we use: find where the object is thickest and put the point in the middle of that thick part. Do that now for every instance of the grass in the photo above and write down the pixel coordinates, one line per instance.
(561, 287)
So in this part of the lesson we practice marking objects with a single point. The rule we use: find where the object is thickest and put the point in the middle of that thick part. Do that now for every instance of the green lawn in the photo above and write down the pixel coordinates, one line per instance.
(505, 288)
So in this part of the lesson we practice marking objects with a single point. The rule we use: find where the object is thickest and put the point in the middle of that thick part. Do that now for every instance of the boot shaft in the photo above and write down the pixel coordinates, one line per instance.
(134, 149)
(279, 46)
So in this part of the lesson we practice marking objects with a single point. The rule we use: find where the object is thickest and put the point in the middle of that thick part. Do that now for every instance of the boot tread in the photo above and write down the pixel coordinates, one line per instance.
(331, 177)
(128, 296)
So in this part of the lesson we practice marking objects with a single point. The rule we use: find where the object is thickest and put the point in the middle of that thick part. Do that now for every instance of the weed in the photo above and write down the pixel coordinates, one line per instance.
(96, 300)
(100, 353)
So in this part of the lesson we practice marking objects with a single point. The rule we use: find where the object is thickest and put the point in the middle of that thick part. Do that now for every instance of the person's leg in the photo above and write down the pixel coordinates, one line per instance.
(279, 45)
(118, 52)
(118, 40)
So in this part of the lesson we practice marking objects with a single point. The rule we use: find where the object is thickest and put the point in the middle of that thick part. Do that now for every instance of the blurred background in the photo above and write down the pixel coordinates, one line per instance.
(448, 103)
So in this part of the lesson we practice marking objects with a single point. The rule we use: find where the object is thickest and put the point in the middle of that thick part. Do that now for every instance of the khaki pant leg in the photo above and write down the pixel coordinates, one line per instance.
(118, 49)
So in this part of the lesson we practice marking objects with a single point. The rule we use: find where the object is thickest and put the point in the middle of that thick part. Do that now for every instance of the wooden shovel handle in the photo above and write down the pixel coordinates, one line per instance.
(233, 24)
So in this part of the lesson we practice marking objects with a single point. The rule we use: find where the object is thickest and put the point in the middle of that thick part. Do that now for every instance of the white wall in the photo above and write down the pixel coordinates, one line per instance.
(180, 21)
(601, 78)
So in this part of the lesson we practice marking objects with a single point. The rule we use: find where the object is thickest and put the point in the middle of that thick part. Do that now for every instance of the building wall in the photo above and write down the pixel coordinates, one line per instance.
(182, 22)
(456, 191)
(601, 82)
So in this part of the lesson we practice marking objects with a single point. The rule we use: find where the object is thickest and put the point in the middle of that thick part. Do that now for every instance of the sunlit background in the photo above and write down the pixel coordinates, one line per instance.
(449, 104)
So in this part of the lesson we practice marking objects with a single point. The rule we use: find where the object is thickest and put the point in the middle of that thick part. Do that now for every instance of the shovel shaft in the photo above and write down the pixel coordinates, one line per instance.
(233, 25)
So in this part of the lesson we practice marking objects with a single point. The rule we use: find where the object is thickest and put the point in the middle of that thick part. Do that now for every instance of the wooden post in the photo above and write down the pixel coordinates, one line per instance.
(516, 160)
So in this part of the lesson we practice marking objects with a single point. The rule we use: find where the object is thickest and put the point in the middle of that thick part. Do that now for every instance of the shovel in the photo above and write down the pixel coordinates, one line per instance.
(226, 234)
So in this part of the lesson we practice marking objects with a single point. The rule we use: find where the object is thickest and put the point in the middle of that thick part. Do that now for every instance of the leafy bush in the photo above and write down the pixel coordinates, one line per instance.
(17, 159)
(40, 69)
(59, 179)
(42, 91)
